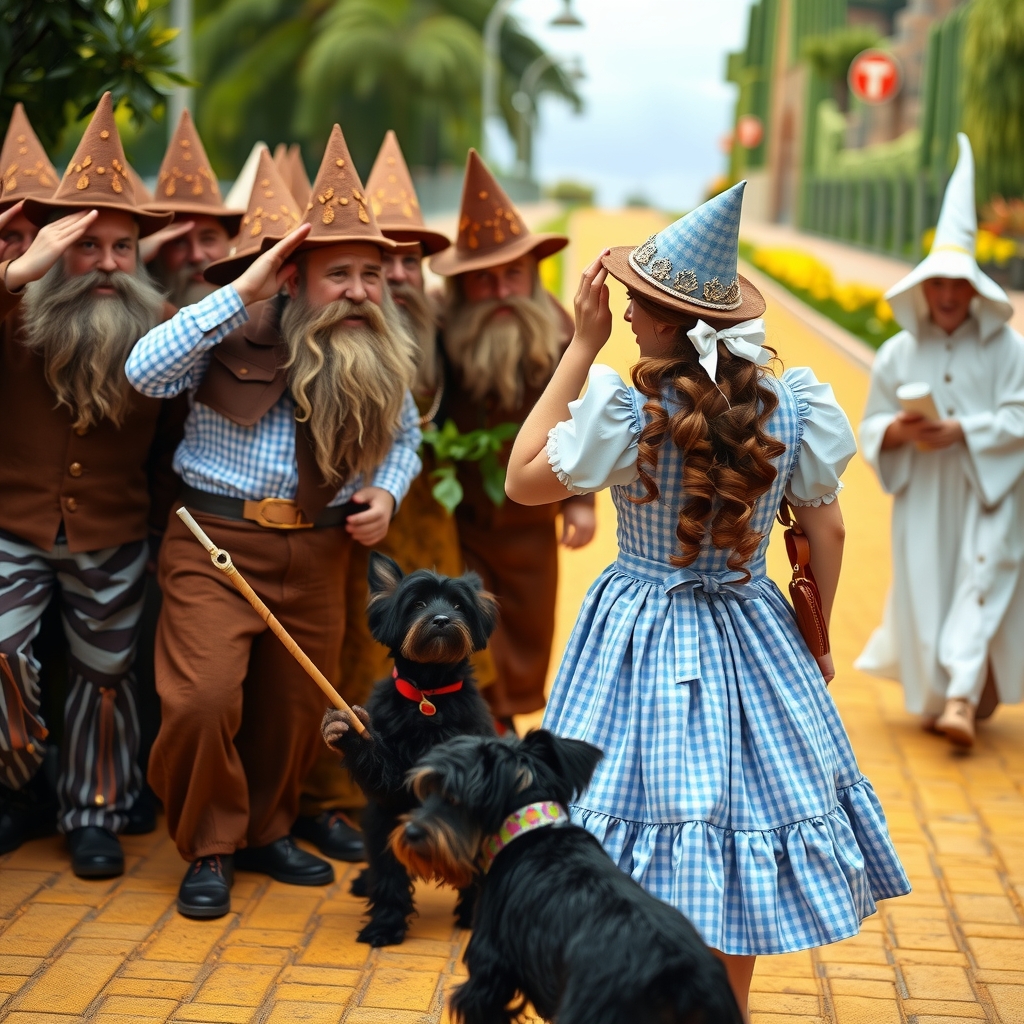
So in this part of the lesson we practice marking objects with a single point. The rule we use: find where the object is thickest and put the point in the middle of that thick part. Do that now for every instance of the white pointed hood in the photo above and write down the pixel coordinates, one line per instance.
(952, 255)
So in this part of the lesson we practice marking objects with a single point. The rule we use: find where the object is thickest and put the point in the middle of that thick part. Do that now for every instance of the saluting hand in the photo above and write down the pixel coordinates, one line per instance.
(152, 244)
(53, 240)
(5, 218)
(266, 275)
(593, 313)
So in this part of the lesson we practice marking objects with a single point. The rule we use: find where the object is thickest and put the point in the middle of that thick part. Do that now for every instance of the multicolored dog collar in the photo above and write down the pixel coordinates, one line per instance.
(411, 692)
(518, 823)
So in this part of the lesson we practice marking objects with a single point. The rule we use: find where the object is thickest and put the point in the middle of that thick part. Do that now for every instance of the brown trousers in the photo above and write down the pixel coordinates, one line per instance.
(519, 565)
(240, 722)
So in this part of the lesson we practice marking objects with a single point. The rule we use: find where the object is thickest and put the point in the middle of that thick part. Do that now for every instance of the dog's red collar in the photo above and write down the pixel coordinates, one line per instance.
(526, 819)
(406, 689)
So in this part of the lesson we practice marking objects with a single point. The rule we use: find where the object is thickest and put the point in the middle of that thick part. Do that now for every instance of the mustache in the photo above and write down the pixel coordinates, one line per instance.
(72, 289)
(333, 316)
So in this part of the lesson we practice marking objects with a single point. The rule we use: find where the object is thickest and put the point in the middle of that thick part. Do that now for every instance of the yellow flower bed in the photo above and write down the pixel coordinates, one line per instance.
(988, 247)
(804, 272)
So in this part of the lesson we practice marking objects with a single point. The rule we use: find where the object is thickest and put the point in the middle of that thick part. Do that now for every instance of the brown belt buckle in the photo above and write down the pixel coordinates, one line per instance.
(258, 514)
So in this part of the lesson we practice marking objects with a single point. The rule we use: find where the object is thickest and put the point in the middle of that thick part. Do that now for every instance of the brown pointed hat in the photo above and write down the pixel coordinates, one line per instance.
(394, 201)
(25, 169)
(142, 194)
(272, 208)
(338, 208)
(491, 230)
(186, 182)
(97, 178)
(298, 179)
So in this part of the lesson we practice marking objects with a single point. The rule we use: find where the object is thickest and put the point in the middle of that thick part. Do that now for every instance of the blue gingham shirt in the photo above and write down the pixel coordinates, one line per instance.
(223, 457)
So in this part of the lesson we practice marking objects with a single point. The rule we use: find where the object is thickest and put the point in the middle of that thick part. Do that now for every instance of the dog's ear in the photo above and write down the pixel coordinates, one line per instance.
(384, 576)
(572, 761)
(485, 609)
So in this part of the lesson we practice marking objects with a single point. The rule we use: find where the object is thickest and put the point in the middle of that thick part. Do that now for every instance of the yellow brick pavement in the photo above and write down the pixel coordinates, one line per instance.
(116, 951)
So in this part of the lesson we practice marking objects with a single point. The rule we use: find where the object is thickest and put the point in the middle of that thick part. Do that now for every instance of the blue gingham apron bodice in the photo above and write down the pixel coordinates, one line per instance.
(728, 786)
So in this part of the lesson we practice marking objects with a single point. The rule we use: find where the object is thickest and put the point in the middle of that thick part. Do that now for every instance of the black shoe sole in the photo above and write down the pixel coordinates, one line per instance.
(204, 912)
(97, 871)
(323, 878)
(348, 857)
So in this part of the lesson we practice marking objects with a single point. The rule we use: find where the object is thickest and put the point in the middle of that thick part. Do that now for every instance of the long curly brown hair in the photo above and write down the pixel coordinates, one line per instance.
(727, 463)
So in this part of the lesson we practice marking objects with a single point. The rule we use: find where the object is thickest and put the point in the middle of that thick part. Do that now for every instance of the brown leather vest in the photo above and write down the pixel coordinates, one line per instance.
(246, 378)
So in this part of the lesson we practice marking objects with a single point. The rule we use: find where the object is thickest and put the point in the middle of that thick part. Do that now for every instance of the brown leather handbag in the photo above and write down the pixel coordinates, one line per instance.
(803, 590)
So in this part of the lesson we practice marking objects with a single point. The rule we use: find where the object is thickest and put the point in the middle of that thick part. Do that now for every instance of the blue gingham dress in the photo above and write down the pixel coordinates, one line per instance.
(728, 787)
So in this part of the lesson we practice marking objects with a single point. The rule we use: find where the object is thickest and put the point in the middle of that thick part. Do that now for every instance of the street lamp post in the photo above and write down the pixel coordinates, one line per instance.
(492, 65)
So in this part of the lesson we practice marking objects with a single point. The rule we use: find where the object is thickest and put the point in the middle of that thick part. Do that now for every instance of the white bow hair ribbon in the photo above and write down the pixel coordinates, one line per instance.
(745, 340)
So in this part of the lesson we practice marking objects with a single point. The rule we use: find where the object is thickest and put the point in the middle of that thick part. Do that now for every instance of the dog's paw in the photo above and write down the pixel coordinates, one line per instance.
(382, 933)
(338, 730)
(360, 884)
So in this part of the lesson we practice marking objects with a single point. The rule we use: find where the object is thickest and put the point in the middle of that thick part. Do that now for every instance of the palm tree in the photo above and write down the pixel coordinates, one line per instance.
(993, 59)
(281, 69)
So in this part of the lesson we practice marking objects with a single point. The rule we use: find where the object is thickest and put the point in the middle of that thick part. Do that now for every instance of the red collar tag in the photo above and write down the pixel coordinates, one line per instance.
(406, 689)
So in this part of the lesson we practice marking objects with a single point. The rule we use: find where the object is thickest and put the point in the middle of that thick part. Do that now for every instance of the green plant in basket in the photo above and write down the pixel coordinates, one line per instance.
(482, 446)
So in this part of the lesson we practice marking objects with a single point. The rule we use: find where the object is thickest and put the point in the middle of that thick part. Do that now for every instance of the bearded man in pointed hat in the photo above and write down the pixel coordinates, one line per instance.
(85, 479)
(203, 226)
(302, 439)
(503, 337)
(953, 631)
(25, 173)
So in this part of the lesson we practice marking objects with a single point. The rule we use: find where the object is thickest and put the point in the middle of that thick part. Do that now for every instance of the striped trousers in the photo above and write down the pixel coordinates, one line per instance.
(100, 595)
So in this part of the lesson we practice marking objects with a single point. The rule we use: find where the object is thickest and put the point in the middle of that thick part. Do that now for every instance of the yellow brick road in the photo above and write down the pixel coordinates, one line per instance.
(116, 951)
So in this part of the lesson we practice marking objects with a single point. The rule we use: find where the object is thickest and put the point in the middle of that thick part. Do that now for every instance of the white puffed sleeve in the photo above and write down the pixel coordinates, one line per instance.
(597, 447)
(826, 441)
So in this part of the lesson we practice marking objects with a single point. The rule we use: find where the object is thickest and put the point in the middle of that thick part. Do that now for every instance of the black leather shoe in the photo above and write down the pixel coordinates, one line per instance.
(205, 891)
(285, 862)
(27, 813)
(142, 816)
(333, 834)
(95, 852)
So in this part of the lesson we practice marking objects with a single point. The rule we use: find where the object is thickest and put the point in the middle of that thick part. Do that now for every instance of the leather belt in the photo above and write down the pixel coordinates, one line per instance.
(271, 513)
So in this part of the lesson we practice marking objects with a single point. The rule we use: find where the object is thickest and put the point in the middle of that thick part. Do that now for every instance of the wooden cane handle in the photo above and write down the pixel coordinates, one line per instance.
(222, 560)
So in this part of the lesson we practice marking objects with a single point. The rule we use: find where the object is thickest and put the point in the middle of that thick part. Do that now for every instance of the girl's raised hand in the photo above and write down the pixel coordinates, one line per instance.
(593, 314)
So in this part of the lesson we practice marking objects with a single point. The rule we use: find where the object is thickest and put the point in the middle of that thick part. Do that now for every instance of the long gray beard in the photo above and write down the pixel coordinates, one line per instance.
(181, 289)
(85, 339)
(419, 315)
(348, 382)
(502, 356)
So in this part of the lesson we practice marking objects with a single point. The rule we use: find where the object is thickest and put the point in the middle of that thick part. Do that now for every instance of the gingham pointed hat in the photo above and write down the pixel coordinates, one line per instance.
(690, 266)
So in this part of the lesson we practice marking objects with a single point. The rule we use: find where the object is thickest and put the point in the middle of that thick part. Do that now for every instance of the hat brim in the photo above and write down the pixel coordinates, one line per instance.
(224, 271)
(752, 304)
(432, 241)
(454, 261)
(39, 211)
(231, 219)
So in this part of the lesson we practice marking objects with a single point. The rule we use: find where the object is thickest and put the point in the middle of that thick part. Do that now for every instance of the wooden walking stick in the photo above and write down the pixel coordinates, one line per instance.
(222, 560)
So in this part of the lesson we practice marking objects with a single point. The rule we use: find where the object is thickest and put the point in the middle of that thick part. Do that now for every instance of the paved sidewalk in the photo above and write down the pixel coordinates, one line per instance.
(848, 262)
(117, 952)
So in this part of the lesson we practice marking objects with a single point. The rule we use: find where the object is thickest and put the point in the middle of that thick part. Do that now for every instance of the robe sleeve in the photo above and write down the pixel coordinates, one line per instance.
(995, 439)
(892, 467)
(826, 441)
(597, 446)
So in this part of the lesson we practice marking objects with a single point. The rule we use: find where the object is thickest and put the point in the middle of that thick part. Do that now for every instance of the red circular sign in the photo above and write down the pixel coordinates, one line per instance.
(874, 76)
(749, 131)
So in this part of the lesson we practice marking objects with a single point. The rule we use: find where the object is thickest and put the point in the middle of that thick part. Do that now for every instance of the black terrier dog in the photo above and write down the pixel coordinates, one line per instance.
(557, 922)
(431, 624)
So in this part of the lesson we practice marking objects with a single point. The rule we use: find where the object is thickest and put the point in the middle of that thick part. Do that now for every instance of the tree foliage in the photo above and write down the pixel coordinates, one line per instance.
(288, 69)
(830, 55)
(993, 62)
(59, 56)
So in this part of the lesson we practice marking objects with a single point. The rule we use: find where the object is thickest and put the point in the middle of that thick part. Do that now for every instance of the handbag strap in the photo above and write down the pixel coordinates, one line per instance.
(798, 548)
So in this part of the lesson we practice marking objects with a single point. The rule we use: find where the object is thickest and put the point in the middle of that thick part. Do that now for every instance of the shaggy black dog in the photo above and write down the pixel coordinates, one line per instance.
(431, 624)
(557, 922)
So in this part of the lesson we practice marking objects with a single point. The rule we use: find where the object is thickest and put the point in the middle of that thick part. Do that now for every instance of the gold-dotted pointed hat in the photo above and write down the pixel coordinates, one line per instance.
(142, 194)
(25, 168)
(298, 179)
(394, 201)
(97, 178)
(186, 183)
(338, 208)
(491, 231)
(272, 209)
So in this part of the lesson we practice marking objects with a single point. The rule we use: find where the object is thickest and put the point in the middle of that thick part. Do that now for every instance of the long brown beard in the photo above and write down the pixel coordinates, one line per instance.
(503, 355)
(419, 314)
(85, 339)
(348, 382)
(181, 289)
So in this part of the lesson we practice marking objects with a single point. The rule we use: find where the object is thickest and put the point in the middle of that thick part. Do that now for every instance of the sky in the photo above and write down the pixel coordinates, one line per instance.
(656, 100)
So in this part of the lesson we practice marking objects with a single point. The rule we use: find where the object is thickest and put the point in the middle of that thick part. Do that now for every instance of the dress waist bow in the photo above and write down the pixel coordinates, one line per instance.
(680, 587)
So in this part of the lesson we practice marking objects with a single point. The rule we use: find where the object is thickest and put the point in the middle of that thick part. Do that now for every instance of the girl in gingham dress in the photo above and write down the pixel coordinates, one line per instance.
(728, 786)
